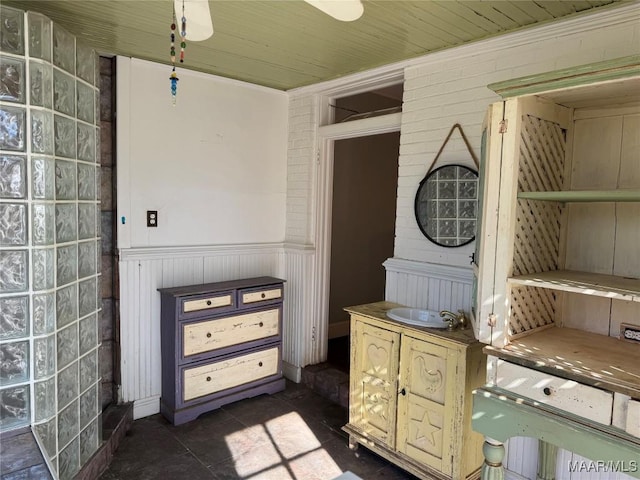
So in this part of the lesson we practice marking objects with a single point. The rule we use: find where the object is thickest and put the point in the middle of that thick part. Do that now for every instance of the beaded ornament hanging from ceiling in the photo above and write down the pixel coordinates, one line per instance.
(173, 78)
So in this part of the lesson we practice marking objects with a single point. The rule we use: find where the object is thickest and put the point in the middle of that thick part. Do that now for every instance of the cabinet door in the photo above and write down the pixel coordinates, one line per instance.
(526, 152)
(374, 381)
(426, 403)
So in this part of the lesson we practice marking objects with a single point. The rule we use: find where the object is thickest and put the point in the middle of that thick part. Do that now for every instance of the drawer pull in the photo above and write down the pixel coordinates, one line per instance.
(208, 302)
(547, 391)
(259, 364)
(263, 295)
(208, 379)
(261, 324)
(403, 392)
(208, 334)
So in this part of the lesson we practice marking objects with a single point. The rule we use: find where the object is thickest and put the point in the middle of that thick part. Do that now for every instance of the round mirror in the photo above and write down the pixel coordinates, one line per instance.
(446, 205)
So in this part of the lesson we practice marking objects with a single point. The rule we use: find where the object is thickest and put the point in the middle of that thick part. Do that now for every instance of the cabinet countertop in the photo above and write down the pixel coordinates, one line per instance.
(378, 311)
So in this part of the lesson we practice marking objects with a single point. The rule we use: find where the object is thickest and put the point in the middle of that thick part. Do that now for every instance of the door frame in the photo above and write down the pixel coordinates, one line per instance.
(326, 137)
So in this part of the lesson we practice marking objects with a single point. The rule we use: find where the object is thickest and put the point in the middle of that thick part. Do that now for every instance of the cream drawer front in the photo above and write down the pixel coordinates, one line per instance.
(261, 295)
(207, 303)
(633, 418)
(214, 377)
(213, 334)
(573, 397)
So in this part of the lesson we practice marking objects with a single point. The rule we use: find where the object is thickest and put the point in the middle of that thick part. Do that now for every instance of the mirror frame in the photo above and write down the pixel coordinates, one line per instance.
(417, 205)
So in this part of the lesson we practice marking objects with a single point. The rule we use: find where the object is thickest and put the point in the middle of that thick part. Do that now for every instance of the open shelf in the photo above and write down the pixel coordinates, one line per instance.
(583, 196)
(597, 360)
(610, 286)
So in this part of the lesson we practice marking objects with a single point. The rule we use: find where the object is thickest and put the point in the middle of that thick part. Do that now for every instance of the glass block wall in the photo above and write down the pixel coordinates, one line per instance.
(49, 238)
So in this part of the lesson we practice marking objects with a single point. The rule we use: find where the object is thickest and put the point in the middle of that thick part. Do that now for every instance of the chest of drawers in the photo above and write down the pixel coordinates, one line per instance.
(221, 342)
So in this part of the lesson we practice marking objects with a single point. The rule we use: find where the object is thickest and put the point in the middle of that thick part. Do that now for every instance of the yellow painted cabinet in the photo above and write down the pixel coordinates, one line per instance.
(410, 394)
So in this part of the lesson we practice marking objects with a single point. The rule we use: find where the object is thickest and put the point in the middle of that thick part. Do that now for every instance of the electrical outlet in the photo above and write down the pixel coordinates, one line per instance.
(629, 332)
(152, 218)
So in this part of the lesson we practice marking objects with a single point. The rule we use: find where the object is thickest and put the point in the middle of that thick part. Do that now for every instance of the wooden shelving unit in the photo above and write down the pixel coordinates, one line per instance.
(583, 196)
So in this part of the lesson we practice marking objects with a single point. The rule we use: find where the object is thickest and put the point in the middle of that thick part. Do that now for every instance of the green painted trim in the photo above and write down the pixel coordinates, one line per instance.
(584, 196)
(569, 77)
(547, 459)
(500, 414)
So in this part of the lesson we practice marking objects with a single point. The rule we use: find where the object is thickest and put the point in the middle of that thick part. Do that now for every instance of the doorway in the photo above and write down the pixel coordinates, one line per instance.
(365, 181)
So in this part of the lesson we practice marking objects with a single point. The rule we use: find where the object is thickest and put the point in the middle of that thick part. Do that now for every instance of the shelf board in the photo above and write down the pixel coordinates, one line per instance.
(610, 286)
(589, 358)
(583, 196)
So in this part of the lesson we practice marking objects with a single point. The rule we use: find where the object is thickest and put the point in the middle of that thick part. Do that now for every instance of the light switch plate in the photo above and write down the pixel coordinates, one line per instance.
(629, 332)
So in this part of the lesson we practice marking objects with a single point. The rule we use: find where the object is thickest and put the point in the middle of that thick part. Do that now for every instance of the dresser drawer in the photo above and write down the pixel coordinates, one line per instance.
(207, 304)
(263, 295)
(633, 418)
(228, 373)
(209, 335)
(573, 397)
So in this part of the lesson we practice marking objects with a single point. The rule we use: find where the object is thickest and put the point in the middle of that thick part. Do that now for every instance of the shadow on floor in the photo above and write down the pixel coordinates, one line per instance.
(291, 435)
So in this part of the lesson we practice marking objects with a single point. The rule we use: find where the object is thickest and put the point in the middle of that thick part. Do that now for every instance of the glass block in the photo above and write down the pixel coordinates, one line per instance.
(11, 31)
(12, 133)
(14, 362)
(467, 209)
(447, 173)
(467, 228)
(88, 370)
(43, 178)
(89, 441)
(65, 180)
(86, 181)
(66, 264)
(87, 297)
(447, 209)
(39, 36)
(41, 84)
(69, 460)
(86, 109)
(101, 221)
(468, 189)
(44, 356)
(14, 317)
(42, 140)
(13, 271)
(64, 93)
(66, 305)
(42, 223)
(99, 254)
(446, 190)
(88, 406)
(14, 407)
(85, 63)
(12, 80)
(43, 268)
(13, 176)
(46, 433)
(67, 345)
(64, 51)
(86, 142)
(447, 228)
(13, 219)
(44, 310)
(88, 333)
(86, 259)
(67, 390)
(86, 220)
(99, 185)
(64, 137)
(465, 173)
(97, 108)
(66, 223)
(44, 394)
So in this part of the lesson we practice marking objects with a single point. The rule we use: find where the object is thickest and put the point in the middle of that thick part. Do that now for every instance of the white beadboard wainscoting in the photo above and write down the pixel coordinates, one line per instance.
(428, 285)
(144, 270)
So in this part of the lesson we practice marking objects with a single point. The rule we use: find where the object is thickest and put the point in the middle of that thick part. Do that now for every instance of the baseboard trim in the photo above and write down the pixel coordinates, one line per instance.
(292, 372)
(145, 407)
(339, 329)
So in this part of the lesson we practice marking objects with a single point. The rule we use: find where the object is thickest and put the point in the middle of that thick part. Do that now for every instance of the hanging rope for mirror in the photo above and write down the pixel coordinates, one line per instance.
(173, 78)
(444, 144)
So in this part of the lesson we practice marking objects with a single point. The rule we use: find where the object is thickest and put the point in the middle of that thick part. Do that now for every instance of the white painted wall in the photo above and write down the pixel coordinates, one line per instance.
(213, 166)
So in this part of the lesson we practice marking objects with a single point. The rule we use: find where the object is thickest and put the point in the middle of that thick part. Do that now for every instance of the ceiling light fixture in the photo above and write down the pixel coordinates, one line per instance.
(343, 10)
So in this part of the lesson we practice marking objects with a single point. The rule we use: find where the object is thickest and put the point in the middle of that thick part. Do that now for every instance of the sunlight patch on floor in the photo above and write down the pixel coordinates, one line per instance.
(283, 448)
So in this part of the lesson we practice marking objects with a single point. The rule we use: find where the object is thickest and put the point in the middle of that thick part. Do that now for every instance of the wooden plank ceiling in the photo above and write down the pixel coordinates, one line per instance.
(287, 43)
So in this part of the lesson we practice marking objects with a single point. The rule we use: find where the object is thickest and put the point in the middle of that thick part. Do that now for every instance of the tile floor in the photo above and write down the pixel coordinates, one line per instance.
(291, 435)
